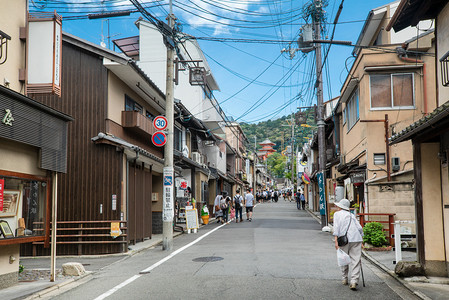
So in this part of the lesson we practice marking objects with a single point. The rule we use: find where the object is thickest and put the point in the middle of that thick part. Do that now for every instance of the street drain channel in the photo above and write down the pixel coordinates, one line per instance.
(207, 259)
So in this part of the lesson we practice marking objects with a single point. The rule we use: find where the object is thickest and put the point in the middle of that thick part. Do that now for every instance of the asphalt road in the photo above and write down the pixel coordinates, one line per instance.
(281, 254)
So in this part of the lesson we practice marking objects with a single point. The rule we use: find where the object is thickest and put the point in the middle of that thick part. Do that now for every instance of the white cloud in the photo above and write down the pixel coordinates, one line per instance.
(211, 16)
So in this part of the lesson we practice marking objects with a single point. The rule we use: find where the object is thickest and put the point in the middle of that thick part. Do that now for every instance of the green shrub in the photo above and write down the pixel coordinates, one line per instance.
(21, 268)
(374, 234)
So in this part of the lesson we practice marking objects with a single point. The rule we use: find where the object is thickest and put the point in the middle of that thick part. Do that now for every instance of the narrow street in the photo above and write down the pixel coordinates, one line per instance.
(281, 254)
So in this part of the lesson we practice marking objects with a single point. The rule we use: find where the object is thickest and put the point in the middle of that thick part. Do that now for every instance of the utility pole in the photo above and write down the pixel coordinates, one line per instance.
(320, 114)
(292, 145)
(168, 193)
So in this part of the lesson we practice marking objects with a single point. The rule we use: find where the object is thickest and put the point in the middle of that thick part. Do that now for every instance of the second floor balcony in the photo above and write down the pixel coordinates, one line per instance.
(134, 120)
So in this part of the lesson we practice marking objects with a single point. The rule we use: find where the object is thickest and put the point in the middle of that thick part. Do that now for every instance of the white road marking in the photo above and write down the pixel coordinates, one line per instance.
(115, 289)
(147, 270)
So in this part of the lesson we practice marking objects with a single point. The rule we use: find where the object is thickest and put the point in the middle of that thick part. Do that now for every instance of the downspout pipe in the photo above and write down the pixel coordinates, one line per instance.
(402, 56)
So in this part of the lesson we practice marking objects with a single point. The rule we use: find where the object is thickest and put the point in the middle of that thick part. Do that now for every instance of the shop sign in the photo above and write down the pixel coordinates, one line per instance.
(320, 177)
(2, 187)
(357, 178)
(181, 187)
(8, 118)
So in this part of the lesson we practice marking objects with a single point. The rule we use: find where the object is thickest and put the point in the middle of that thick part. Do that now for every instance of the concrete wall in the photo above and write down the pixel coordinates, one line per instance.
(442, 28)
(394, 198)
(12, 17)
(153, 54)
(434, 246)
(9, 271)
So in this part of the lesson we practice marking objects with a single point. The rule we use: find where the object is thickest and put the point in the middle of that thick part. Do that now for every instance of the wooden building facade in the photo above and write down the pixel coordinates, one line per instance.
(113, 170)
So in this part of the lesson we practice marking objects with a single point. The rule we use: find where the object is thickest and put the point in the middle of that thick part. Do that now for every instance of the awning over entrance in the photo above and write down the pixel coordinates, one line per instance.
(131, 149)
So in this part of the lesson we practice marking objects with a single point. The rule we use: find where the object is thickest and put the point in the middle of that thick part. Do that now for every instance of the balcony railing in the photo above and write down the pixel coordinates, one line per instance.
(137, 121)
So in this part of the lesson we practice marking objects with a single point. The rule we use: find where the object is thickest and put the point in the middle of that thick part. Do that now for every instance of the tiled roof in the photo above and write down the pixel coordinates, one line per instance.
(422, 124)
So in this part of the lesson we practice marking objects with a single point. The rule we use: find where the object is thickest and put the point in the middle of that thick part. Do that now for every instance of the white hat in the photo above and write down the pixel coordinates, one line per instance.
(343, 204)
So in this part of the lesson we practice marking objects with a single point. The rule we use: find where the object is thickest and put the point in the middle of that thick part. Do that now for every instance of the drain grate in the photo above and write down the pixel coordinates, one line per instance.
(207, 259)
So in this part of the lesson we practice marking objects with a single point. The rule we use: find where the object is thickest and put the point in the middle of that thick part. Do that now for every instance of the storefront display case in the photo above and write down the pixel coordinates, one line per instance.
(24, 207)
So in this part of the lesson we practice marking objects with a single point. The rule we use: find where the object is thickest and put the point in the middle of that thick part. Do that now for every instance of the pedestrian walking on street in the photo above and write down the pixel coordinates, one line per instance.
(303, 200)
(345, 223)
(238, 204)
(276, 196)
(217, 209)
(249, 203)
(225, 205)
(298, 200)
(289, 195)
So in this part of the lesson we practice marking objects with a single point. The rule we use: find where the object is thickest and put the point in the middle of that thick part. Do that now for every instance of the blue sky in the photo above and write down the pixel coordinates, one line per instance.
(257, 81)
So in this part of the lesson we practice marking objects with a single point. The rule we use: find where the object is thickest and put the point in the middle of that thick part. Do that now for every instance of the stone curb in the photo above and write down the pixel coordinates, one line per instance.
(89, 274)
(393, 274)
(58, 286)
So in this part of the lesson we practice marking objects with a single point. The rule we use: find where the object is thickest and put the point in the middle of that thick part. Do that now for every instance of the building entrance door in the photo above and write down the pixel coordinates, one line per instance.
(139, 203)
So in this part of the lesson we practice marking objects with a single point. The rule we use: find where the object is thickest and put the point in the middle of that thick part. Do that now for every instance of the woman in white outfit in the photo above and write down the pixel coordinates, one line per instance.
(346, 221)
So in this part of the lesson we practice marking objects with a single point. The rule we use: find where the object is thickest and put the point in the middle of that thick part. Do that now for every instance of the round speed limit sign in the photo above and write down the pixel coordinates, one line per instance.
(160, 122)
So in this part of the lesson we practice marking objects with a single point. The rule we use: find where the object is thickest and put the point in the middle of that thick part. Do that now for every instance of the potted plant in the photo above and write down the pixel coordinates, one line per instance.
(205, 214)
(374, 236)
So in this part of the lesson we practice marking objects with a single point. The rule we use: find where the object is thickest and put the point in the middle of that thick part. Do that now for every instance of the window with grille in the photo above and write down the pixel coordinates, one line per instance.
(379, 158)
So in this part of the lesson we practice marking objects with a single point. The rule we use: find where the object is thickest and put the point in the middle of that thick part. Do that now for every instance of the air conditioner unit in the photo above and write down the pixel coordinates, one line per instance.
(196, 157)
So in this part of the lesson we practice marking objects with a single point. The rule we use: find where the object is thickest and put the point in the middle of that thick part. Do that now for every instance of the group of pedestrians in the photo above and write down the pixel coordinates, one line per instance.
(224, 205)
(267, 195)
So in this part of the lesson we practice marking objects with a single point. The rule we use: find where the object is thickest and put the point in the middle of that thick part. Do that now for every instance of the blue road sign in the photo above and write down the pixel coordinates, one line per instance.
(168, 180)
(159, 139)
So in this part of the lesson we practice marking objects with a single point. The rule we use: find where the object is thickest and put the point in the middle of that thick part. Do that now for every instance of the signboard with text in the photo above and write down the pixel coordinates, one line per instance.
(191, 219)
(168, 211)
(322, 191)
(160, 122)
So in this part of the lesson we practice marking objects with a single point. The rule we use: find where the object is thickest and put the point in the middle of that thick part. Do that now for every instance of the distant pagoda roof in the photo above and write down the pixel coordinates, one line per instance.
(267, 142)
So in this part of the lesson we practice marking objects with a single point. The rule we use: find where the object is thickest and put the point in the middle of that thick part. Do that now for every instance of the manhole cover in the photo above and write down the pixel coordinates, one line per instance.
(207, 259)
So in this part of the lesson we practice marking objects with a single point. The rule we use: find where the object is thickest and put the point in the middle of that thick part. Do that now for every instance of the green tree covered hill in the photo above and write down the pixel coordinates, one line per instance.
(279, 131)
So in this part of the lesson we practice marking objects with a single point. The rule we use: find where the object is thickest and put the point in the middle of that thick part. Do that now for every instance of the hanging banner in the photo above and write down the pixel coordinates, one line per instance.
(320, 177)
(2, 188)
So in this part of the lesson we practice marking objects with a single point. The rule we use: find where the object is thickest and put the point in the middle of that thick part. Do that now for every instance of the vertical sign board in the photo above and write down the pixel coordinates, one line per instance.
(168, 211)
(191, 219)
(322, 191)
(2, 188)
(44, 53)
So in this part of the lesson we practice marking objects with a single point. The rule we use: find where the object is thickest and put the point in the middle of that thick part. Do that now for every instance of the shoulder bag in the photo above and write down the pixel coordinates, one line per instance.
(343, 240)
